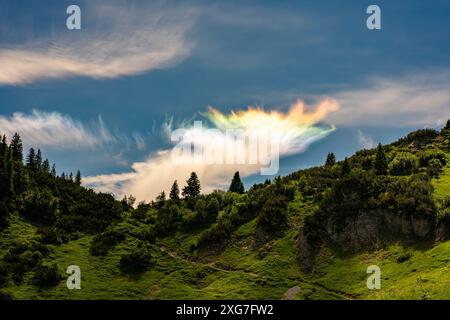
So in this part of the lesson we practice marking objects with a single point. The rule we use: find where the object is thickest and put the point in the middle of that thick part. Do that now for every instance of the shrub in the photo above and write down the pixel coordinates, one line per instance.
(46, 276)
(4, 214)
(273, 215)
(167, 218)
(40, 206)
(422, 136)
(148, 234)
(137, 261)
(434, 167)
(405, 256)
(403, 164)
(105, 241)
(6, 296)
(141, 212)
(427, 156)
(4, 273)
(217, 233)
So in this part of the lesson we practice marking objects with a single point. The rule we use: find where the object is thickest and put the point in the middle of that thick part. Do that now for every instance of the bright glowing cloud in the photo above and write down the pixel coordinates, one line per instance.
(297, 129)
(126, 41)
(54, 130)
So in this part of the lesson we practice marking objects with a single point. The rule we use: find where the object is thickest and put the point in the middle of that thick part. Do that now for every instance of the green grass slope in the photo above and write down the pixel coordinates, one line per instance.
(241, 268)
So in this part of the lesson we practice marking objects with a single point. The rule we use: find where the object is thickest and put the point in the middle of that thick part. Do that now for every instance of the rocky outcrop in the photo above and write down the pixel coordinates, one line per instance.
(363, 231)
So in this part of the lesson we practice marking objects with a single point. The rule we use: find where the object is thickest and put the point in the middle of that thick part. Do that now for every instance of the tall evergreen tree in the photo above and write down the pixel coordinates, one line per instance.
(46, 166)
(161, 199)
(17, 148)
(3, 167)
(447, 126)
(192, 189)
(10, 174)
(78, 178)
(54, 170)
(345, 169)
(174, 191)
(31, 160)
(236, 184)
(38, 160)
(331, 160)
(381, 164)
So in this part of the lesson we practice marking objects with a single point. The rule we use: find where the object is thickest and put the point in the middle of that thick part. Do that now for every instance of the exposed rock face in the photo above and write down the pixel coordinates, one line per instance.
(364, 231)
(442, 231)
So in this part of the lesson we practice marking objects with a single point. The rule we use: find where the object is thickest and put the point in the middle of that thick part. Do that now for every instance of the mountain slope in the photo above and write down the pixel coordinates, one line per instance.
(247, 246)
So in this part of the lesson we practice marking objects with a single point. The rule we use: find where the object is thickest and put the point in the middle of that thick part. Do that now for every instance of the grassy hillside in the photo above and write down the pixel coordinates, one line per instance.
(232, 254)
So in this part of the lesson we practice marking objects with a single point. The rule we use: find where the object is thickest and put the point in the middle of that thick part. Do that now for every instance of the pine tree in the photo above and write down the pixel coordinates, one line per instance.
(78, 178)
(54, 170)
(331, 160)
(17, 148)
(3, 174)
(174, 191)
(46, 166)
(161, 199)
(192, 189)
(236, 184)
(31, 160)
(345, 169)
(381, 164)
(38, 160)
(447, 126)
(10, 173)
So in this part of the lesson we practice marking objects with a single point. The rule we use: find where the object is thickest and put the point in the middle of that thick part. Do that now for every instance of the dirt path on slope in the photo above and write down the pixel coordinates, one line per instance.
(290, 294)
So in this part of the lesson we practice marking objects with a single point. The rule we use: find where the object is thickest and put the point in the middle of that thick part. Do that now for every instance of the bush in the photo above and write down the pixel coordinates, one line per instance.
(405, 256)
(217, 233)
(273, 215)
(4, 273)
(20, 258)
(4, 214)
(40, 206)
(141, 212)
(6, 296)
(427, 156)
(446, 202)
(403, 164)
(137, 261)
(46, 276)
(105, 241)
(148, 234)
(167, 218)
(421, 137)
(434, 167)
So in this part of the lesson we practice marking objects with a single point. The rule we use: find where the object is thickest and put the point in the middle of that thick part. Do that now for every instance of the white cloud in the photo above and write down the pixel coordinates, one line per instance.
(412, 100)
(296, 130)
(55, 130)
(365, 141)
(114, 41)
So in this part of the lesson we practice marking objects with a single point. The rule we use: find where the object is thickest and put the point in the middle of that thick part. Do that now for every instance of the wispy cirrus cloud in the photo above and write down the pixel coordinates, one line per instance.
(365, 141)
(421, 99)
(116, 41)
(55, 130)
(415, 99)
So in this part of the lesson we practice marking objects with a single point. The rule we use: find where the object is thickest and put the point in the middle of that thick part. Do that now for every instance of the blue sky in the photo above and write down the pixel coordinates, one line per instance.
(137, 64)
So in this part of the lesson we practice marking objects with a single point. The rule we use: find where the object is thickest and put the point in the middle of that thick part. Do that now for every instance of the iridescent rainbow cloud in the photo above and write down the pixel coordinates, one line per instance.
(296, 128)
